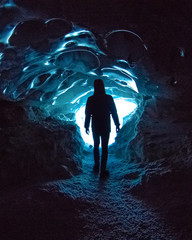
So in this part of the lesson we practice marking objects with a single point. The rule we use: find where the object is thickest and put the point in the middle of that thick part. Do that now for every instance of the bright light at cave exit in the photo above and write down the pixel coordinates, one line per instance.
(124, 108)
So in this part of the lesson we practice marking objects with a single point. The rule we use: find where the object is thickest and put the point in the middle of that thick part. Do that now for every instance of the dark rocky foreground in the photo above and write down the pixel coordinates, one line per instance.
(86, 207)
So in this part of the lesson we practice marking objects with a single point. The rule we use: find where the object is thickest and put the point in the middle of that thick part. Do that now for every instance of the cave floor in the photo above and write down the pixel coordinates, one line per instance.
(84, 208)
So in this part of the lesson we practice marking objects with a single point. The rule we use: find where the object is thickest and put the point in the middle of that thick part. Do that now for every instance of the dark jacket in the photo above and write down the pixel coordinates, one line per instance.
(99, 107)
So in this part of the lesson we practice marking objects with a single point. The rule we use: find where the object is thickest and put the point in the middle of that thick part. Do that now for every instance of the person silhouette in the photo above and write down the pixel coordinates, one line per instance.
(99, 107)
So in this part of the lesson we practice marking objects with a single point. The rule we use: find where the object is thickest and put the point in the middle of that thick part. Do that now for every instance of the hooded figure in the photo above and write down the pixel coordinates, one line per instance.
(99, 107)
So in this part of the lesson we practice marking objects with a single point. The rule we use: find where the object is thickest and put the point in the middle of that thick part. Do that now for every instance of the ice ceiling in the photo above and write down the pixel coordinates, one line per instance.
(53, 63)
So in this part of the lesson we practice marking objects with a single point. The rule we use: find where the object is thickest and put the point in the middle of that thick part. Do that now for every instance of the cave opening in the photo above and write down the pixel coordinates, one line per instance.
(125, 108)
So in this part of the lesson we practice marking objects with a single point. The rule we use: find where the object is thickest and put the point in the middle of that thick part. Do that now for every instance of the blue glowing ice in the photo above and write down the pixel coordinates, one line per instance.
(58, 69)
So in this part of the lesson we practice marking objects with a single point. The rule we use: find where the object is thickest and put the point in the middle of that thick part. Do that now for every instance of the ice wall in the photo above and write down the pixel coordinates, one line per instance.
(53, 62)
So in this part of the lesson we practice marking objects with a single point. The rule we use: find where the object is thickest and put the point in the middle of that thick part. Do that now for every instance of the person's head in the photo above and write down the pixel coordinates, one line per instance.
(99, 86)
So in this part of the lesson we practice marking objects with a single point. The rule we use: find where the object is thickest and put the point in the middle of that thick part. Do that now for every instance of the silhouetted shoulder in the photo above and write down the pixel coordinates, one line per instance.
(109, 96)
(90, 100)
(91, 97)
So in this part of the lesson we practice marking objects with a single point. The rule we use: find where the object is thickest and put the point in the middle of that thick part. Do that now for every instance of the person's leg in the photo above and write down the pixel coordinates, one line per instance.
(105, 140)
(96, 139)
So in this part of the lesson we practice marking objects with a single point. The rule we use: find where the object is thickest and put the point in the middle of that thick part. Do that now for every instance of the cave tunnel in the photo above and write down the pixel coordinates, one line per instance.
(55, 70)
(50, 54)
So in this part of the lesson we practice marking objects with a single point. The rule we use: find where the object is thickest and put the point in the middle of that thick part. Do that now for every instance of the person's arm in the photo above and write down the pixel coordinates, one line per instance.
(114, 115)
(87, 116)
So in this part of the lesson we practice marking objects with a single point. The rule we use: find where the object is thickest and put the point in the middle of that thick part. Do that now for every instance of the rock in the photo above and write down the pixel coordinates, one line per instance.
(60, 172)
(32, 150)
(11, 114)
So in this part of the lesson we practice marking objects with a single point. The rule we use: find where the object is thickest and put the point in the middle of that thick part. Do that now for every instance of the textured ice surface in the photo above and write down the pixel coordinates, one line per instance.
(53, 62)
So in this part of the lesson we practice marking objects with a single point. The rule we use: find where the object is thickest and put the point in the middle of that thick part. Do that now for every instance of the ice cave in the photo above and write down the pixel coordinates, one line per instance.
(51, 52)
